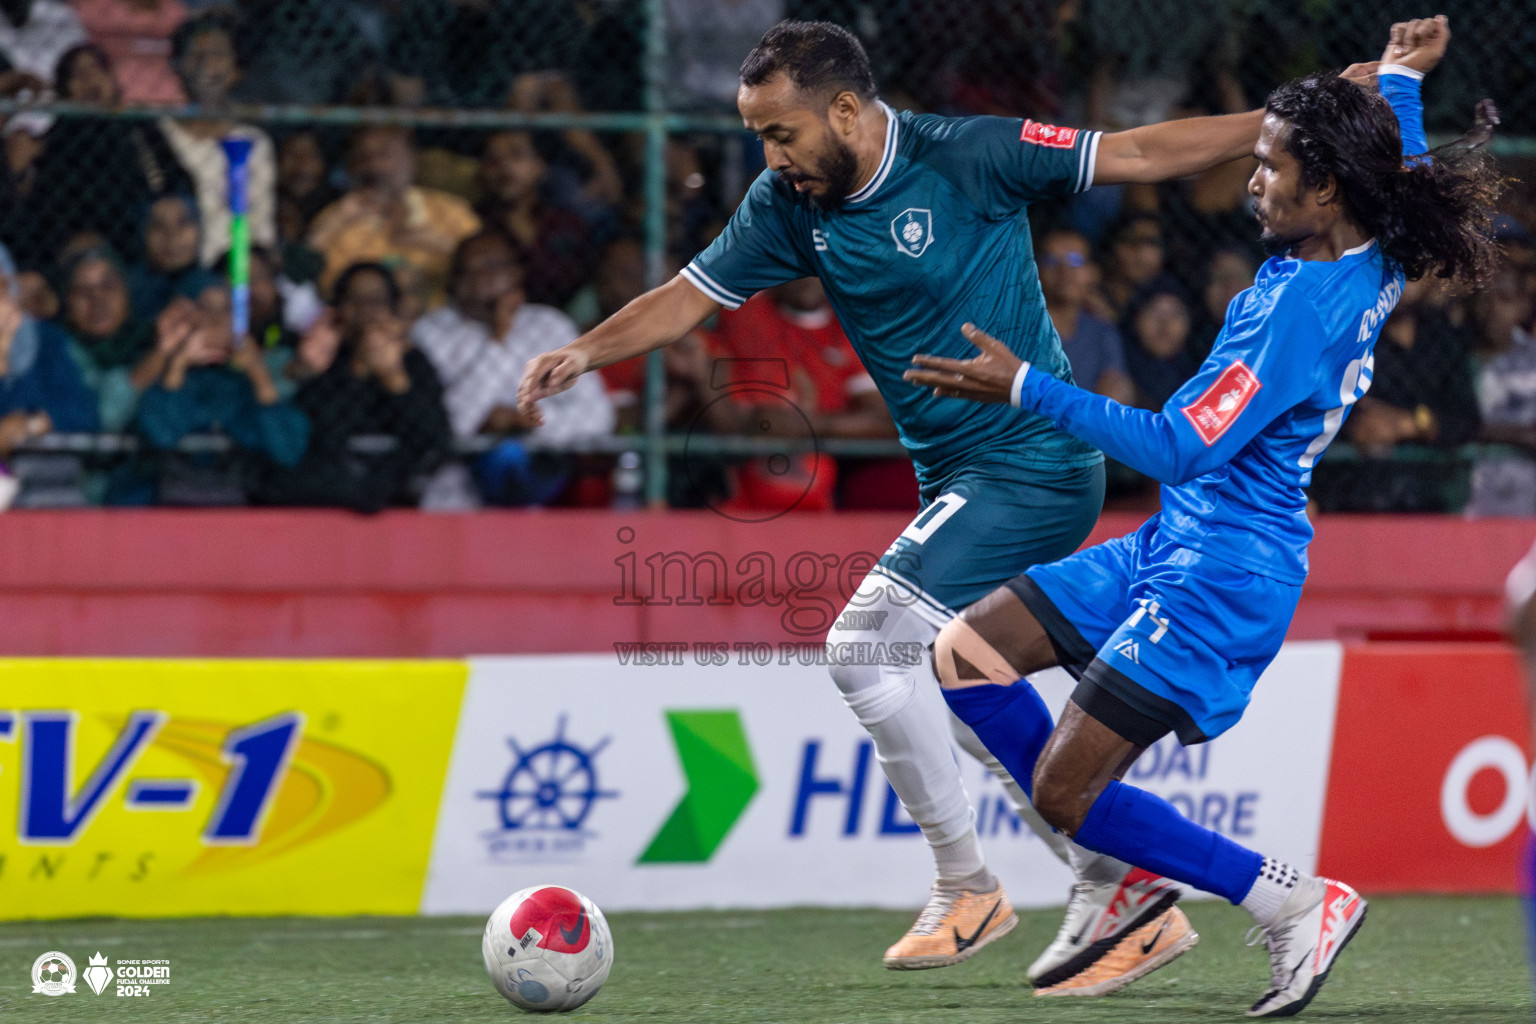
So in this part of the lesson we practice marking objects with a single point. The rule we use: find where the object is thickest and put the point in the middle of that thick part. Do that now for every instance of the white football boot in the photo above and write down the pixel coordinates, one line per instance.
(1099, 915)
(1303, 947)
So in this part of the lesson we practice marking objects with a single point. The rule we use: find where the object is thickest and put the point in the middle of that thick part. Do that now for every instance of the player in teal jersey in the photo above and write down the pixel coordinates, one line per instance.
(917, 224)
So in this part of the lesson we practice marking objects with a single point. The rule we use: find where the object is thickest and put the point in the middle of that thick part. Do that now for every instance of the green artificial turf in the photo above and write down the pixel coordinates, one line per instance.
(1417, 959)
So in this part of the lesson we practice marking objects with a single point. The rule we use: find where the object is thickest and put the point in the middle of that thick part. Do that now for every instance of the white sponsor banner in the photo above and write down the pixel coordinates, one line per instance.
(570, 770)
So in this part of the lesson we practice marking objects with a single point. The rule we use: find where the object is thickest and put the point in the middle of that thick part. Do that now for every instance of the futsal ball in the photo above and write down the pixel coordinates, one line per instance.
(547, 948)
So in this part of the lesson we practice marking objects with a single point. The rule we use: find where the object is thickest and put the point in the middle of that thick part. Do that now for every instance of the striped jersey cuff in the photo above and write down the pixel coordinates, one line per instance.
(709, 286)
(1087, 156)
(1400, 69)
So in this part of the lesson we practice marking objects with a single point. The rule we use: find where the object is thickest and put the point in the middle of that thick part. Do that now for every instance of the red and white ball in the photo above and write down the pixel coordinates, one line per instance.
(547, 948)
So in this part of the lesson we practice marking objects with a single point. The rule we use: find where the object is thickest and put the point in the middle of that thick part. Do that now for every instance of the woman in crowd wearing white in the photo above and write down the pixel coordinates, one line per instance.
(479, 344)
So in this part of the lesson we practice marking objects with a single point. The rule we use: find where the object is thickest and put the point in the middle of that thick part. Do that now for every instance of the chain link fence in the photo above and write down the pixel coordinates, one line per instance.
(441, 189)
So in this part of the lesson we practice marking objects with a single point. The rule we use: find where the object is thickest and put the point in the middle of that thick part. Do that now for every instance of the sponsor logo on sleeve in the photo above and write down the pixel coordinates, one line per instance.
(1048, 135)
(1214, 412)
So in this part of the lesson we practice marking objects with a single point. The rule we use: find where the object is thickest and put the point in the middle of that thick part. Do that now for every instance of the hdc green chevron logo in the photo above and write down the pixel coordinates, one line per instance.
(721, 781)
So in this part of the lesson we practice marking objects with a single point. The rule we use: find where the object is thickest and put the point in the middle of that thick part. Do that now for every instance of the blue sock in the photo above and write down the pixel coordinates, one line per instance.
(1147, 831)
(1011, 721)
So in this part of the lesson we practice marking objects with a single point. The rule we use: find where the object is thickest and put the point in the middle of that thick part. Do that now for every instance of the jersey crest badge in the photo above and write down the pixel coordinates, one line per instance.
(913, 231)
(1048, 135)
(1215, 411)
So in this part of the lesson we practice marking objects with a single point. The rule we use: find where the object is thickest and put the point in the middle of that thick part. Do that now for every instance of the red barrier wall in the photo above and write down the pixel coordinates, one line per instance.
(268, 583)
(1427, 788)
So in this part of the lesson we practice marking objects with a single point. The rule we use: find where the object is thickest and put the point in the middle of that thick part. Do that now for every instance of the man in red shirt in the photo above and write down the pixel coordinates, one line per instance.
(782, 367)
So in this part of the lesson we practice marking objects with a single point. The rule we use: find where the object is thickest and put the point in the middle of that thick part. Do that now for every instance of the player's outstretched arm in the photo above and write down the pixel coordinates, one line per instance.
(1171, 446)
(1173, 149)
(657, 318)
(1413, 50)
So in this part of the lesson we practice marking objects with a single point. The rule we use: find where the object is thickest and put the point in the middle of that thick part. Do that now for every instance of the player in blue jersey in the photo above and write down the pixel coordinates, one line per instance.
(917, 224)
(1168, 629)
(1521, 590)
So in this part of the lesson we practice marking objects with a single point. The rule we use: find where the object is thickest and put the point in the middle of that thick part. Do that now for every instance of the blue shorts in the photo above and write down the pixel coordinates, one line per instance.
(1163, 637)
(986, 523)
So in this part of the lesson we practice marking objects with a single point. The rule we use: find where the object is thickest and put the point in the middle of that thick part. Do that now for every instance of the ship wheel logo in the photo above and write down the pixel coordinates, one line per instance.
(551, 787)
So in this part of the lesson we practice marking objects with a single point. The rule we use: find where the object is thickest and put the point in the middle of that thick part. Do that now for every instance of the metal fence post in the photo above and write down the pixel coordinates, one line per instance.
(655, 240)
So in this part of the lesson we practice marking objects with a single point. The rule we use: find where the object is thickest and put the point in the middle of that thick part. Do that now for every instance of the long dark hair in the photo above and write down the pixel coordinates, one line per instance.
(1431, 215)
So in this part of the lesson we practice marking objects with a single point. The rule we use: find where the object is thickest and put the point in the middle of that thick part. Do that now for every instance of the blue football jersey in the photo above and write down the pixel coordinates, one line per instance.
(936, 238)
(1237, 443)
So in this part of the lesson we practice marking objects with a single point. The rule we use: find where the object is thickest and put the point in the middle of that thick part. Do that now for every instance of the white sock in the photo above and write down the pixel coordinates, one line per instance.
(1280, 891)
(980, 880)
(913, 747)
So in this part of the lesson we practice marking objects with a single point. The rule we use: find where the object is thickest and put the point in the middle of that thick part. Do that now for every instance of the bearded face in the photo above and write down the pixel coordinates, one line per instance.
(832, 178)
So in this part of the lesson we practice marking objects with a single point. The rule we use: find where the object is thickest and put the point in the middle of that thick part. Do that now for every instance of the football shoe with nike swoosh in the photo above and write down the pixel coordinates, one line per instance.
(1099, 915)
(951, 928)
(1158, 942)
(1304, 946)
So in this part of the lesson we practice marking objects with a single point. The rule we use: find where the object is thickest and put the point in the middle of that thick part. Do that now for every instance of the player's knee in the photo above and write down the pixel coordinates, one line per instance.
(853, 679)
(962, 656)
(850, 674)
(1059, 798)
(871, 635)
(873, 691)
(950, 665)
(1001, 638)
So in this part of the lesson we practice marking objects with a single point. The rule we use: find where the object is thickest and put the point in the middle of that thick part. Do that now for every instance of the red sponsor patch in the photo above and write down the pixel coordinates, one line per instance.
(1216, 410)
(1048, 135)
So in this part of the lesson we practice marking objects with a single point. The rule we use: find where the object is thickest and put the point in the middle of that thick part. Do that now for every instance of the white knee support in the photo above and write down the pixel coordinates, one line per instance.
(878, 657)
(873, 647)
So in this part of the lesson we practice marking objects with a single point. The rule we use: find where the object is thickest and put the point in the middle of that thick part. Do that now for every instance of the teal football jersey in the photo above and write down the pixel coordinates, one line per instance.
(938, 237)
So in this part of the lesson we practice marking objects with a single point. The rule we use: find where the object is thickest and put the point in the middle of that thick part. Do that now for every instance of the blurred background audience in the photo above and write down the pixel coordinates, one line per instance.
(479, 343)
(378, 425)
(1093, 346)
(205, 56)
(385, 217)
(500, 240)
(215, 383)
(135, 36)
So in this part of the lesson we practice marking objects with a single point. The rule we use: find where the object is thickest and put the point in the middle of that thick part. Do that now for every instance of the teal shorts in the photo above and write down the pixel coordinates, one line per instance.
(986, 523)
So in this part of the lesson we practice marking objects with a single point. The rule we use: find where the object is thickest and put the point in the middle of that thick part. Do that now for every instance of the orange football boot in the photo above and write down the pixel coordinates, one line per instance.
(1161, 940)
(951, 928)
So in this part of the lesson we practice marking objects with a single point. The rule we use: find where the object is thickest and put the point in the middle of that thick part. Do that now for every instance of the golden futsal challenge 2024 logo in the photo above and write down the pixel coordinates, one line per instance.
(54, 974)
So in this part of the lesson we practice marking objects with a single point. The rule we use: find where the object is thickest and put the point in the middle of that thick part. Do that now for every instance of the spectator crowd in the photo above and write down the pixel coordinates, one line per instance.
(400, 280)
